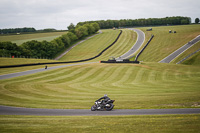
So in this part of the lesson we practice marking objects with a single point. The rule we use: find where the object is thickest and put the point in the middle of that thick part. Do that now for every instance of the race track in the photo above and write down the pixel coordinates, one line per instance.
(6, 110)
(176, 53)
(136, 46)
(12, 75)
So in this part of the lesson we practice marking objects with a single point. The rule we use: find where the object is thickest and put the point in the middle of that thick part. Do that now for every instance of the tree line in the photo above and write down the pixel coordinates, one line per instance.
(26, 30)
(17, 30)
(105, 24)
(45, 49)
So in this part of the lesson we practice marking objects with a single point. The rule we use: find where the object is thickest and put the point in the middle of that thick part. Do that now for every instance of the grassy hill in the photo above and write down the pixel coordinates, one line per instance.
(149, 85)
(95, 45)
(133, 86)
(165, 43)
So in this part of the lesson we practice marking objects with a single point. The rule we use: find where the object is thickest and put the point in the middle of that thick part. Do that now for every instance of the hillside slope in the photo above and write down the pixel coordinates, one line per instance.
(164, 43)
(148, 85)
(95, 45)
(193, 60)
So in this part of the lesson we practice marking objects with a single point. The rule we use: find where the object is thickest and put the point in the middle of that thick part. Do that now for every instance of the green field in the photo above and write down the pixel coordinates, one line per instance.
(101, 124)
(148, 85)
(19, 39)
(165, 43)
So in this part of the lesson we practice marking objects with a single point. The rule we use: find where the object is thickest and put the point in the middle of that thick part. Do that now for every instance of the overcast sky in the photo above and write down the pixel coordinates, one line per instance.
(58, 14)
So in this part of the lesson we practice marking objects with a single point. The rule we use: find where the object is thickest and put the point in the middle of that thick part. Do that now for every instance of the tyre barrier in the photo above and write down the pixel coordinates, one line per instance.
(144, 48)
(35, 64)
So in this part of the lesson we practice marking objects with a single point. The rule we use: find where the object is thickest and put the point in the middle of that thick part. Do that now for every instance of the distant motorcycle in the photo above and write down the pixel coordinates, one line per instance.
(99, 106)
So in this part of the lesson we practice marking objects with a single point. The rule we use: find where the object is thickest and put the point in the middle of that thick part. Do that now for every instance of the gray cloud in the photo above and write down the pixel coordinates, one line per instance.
(60, 13)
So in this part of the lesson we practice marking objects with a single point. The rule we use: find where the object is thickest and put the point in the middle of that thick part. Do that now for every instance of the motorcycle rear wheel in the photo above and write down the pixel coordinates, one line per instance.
(110, 108)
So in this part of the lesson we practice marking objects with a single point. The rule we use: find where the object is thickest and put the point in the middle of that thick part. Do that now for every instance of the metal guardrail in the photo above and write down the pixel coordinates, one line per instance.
(143, 48)
(188, 56)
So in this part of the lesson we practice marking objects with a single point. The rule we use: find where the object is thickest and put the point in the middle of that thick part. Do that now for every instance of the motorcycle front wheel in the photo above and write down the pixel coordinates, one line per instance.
(93, 108)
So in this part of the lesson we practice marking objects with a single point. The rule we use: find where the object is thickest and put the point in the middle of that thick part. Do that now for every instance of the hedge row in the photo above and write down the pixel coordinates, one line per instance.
(44, 49)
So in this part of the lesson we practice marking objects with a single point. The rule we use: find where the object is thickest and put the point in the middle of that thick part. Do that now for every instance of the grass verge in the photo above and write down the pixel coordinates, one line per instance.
(99, 124)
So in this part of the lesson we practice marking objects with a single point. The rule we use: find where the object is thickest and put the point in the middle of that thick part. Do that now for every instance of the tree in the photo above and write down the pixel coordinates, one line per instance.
(184, 21)
(90, 28)
(9, 49)
(197, 20)
(66, 40)
(58, 43)
(96, 26)
(71, 27)
(72, 36)
(81, 31)
(32, 48)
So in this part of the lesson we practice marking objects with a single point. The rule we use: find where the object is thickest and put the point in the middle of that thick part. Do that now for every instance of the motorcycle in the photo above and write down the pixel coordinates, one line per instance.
(98, 105)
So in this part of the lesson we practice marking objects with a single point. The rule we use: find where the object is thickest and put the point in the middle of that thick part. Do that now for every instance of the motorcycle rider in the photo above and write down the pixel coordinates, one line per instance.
(106, 99)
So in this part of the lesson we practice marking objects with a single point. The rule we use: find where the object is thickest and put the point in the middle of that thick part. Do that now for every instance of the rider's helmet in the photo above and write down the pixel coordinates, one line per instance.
(105, 95)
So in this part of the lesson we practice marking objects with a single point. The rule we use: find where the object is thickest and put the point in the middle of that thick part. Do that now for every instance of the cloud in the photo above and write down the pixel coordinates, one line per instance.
(60, 13)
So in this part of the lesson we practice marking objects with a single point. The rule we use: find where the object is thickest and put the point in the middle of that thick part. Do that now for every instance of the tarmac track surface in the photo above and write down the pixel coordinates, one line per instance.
(12, 75)
(7, 110)
(136, 46)
(176, 53)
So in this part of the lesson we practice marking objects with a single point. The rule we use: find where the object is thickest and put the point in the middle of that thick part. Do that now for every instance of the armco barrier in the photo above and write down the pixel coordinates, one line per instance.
(144, 48)
(35, 64)
(124, 61)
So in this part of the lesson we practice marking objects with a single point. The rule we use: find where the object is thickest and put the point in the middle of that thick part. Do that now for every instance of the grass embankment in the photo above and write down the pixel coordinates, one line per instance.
(193, 60)
(164, 43)
(149, 85)
(99, 124)
(19, 39)
(95, 45)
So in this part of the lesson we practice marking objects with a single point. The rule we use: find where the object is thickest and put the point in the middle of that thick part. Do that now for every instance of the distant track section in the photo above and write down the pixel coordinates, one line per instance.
(144, 48)
(136, 46)
(34, 64)
(179, 51)
(12, 75)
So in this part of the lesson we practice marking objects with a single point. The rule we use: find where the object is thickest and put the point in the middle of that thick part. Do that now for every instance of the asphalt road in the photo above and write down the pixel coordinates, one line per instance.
(12, 75)
(6, 110)
(136, 46)
(172, 56)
